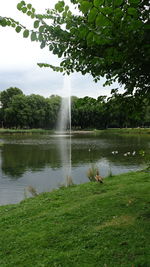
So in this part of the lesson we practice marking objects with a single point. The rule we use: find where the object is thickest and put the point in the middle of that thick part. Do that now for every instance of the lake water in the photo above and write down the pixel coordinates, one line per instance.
(43, 161)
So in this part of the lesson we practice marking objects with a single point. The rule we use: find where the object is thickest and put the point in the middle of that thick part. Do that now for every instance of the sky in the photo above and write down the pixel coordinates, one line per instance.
(19, 58)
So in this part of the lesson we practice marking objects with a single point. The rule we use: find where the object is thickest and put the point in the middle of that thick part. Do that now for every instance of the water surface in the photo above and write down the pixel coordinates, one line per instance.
(44, 161)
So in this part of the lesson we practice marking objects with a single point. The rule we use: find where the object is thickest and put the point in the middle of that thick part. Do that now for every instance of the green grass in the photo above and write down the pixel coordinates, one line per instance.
(86, 225)
(110, 130)
(24, 131)
(127, 131)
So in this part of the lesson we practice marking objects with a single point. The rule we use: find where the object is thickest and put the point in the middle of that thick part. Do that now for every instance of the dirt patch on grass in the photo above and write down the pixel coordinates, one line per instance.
(123, 220)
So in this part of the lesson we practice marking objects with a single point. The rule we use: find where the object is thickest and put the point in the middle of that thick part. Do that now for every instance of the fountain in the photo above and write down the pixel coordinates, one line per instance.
(64, 118)
(64, 131)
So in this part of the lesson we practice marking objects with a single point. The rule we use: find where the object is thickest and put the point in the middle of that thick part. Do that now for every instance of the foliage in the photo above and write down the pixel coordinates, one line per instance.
(7, 95)
(34, 111)
(106, 38)
(117, 111)
(84, 225)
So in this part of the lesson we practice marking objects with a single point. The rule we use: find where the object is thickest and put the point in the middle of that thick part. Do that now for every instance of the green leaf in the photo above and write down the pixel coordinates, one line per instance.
(41, 29)
(29, 13)
(55, 51)
(50, 47)
(73, 31)
(33, 36)
(40, 37)
(134, 1)
(60, 6)
(22, 3)
(36, 23)
(85, 6)
(147, 26)
(92, 15)
(118, 2)
(3, 22)
(24, 9)
(98, 3)
(132, 11)
(29, 6)
(83, 31)
(102, 21)
(106, 10)
(42, 44)
(19, 6)
(118, 13)
(18, 29)
(26, 33)
(66, 8)
(90, 38)
(8, 23)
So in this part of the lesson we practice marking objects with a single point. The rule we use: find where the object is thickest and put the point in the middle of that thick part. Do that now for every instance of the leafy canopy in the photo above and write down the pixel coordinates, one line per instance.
(106, 38)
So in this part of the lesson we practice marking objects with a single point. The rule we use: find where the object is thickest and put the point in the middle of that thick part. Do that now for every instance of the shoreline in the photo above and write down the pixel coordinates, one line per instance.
(84, 131)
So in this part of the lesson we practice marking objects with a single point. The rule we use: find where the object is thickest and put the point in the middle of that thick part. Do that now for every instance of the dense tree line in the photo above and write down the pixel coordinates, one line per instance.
(116, 111)
(34, 111)
(31, 111)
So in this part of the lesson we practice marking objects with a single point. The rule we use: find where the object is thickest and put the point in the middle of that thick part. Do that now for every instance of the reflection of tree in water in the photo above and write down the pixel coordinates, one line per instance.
(94, 149)
(17, 159)
(64, 143)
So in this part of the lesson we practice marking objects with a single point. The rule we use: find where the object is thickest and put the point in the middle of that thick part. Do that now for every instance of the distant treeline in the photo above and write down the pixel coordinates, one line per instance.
(34, 111)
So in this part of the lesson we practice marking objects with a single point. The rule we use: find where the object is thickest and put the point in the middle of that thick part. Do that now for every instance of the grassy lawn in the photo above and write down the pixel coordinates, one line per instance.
(11, 131)
(85, 225)
(128, 131)
(110, 130)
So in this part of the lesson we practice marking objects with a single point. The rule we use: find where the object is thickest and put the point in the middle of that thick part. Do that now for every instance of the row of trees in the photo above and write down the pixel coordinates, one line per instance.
(34, 111)
(116, 111)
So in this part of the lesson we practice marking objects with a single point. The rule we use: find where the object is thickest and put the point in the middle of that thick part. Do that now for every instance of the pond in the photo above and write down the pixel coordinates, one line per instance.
(44, 161)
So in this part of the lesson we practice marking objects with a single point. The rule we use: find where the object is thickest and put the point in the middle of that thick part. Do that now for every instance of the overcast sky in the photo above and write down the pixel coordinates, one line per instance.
(19, 57)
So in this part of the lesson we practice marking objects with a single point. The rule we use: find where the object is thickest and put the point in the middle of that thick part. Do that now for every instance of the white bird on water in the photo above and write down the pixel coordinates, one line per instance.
(114, 152)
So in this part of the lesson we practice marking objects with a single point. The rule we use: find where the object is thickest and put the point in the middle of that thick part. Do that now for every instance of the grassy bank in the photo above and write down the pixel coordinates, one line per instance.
(110, 130)
(86, 225)
(126, 131)
(24, 131)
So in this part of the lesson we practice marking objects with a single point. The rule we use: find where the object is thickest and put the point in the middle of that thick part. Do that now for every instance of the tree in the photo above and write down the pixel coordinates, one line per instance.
(7, 117)
(6, 96)
(107, 38)
(37, 105)
(35, 111)
(52, 110)
(19, 112)
(32, 111)
(126, 111)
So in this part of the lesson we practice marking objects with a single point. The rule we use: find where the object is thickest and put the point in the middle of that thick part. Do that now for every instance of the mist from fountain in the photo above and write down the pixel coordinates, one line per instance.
(64, 118)
(64, 131)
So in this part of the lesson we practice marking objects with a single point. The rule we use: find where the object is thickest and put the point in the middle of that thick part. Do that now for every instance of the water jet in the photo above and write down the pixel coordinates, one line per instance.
(64, 130)
(64, 117)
